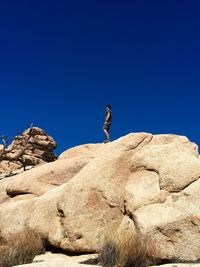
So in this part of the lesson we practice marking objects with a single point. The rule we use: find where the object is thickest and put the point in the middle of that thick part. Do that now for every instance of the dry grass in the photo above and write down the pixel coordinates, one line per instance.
(128, 249)
(20, 248)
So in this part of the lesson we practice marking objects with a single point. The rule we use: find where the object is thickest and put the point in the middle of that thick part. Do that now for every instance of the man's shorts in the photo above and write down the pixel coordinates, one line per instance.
(106, 126)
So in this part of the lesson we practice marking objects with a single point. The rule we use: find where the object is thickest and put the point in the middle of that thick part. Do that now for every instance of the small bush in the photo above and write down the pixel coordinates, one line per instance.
(20, 248)
(109, 254)
(128, 249)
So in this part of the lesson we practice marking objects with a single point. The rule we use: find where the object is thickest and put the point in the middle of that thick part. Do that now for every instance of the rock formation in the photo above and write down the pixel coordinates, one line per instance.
(32, 148)
(151, 179)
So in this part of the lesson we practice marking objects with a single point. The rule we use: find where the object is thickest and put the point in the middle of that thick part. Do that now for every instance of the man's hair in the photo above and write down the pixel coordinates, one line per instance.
(108, 106)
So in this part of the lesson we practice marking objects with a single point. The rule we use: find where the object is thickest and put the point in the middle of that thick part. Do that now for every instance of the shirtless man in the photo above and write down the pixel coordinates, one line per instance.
(107, 123)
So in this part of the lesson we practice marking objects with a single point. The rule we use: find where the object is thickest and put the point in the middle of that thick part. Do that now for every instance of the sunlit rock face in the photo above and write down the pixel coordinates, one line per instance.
(33, 147)
(152, 179)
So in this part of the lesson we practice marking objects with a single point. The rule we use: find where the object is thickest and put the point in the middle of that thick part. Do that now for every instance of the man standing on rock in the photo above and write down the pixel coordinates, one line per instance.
(107, 123)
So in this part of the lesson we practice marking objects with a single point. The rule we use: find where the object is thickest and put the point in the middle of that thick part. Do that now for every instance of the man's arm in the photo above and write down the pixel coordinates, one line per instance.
(108, 117)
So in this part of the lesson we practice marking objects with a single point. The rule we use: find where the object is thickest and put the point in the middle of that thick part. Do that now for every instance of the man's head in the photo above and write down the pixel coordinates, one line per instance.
(108, 106)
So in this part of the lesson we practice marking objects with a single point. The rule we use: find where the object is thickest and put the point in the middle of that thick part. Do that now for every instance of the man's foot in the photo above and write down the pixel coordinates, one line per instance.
(106, 141)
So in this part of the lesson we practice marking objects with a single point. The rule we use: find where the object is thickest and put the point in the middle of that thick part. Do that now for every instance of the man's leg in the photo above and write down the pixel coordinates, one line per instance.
(107, 134)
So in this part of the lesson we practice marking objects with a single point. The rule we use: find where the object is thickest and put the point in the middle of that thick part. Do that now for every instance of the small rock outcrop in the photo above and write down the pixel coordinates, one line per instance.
(32, 148)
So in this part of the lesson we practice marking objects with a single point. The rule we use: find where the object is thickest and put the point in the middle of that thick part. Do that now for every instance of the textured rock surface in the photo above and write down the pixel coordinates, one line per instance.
(45, 177)
(61, 260)
(56, 263)
(32, 148)
(152, 179)
(89, 150)
(67, 263)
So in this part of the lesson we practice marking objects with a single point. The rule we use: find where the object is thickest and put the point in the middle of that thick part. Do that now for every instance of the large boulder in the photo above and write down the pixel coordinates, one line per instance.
(152, 179)
(88, 150)
(39, 180)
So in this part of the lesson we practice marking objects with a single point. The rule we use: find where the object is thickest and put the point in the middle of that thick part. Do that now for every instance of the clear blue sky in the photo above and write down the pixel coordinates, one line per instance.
(61, 62)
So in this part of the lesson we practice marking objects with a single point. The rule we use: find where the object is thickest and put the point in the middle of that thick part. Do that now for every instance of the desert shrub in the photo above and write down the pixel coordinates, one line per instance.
(20, 248)
(128, 249)
(109, 254)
